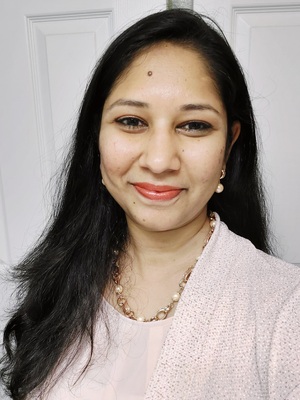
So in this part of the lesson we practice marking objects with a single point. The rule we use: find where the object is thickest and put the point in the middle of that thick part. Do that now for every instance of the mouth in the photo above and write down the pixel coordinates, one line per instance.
(157, 192)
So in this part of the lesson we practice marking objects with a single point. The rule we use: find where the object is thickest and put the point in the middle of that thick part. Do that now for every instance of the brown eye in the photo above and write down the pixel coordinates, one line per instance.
(131, 122)
(195, 126)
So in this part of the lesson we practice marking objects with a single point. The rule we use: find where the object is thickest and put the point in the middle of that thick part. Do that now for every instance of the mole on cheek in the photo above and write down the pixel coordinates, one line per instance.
(149, 73)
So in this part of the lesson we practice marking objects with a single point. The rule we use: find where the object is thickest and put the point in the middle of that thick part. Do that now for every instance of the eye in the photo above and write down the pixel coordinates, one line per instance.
(195, 127)
(131, 123)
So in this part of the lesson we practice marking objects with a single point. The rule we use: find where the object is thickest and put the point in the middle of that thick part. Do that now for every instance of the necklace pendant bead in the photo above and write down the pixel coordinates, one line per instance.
(121, 301)
(119, 289)
(176, 296)
(141, 319)
(161, 314)
(212, 223)
(126, 309)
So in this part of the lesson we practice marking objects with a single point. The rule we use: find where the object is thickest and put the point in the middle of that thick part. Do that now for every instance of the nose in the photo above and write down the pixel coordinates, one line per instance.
(160, 153)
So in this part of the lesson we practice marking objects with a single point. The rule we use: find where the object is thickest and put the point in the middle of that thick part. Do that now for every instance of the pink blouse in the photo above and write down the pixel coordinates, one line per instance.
(125, 371)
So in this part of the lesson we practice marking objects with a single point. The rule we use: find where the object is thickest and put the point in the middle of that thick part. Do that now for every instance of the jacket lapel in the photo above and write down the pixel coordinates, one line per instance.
(181, 354)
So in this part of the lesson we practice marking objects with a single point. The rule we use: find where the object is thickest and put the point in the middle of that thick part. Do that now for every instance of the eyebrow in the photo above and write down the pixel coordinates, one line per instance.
(127, 102)
(141, 104)
(192, 107)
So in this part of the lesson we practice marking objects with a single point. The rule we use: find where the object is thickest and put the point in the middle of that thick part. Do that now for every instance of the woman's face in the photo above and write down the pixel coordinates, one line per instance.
(163, 138)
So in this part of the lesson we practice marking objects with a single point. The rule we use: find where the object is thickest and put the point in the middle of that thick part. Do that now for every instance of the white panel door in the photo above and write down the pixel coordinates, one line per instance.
(266, 41)
(48, 49)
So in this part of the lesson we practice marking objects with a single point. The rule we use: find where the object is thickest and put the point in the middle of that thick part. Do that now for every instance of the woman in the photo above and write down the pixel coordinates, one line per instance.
(118, 301)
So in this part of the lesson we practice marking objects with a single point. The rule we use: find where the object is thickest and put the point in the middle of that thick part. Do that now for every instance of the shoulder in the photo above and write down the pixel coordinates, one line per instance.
(254, 266)
(257, 282)
(269, 290)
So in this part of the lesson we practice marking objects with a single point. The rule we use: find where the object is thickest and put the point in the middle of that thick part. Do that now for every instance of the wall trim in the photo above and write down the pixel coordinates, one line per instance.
(271, 8)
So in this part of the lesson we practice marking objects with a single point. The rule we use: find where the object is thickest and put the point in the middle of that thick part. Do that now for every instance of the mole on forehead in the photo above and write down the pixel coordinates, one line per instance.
(149, 73)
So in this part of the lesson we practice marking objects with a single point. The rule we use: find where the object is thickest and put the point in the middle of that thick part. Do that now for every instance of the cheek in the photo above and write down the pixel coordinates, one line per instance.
(108, 154)
(116, 156)
(222, 155)
(208, 164)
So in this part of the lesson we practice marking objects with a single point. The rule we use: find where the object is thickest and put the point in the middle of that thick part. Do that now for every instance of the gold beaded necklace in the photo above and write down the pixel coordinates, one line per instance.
(163, 312)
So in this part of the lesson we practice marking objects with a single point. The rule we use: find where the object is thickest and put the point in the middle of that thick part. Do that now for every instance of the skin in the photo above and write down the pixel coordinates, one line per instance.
(163, 124)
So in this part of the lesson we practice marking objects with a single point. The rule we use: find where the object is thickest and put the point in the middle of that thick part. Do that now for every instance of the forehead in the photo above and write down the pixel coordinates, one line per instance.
(157, 55)
(167, 69)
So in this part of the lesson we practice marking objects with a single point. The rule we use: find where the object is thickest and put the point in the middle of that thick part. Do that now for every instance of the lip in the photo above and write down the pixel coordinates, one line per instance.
(157, 192)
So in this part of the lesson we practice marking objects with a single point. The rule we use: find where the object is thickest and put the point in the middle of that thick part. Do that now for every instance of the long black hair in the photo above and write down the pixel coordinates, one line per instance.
(63, 277)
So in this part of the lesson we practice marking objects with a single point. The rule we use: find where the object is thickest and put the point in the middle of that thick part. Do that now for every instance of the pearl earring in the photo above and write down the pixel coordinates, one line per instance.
(102, 180)
(220, 187)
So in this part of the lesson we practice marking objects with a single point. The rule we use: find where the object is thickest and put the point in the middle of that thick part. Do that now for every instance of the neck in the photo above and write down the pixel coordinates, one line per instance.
(148, 286)
(154, 254)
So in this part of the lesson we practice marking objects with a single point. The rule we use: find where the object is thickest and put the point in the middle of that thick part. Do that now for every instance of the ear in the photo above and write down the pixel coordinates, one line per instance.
(235, 133)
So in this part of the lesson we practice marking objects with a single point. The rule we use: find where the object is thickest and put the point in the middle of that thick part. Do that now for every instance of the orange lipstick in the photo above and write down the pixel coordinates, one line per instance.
(157, 192)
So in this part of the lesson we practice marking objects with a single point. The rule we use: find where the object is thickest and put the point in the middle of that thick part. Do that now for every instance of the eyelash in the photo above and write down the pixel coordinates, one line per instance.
(195, 126)
(134, 123)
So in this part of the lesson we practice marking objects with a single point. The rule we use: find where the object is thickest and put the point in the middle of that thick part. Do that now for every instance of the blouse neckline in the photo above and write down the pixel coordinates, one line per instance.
(167, 321)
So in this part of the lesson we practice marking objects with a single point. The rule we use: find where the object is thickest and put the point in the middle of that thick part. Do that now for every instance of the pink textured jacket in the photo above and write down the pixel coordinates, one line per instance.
(236, 331)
